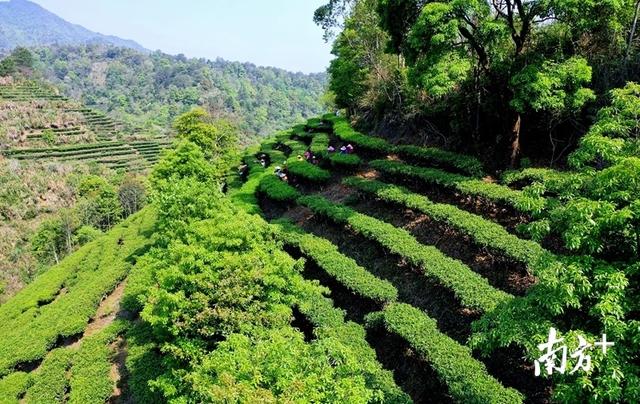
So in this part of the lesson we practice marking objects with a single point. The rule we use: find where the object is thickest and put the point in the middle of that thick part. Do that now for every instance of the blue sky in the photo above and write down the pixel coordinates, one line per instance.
(277, 33)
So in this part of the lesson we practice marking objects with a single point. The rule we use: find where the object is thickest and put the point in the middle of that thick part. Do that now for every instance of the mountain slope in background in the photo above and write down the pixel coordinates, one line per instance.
(149, 90)
(24, 23)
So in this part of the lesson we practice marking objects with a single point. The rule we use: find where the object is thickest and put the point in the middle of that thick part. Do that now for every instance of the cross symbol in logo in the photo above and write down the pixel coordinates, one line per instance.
(604, 344)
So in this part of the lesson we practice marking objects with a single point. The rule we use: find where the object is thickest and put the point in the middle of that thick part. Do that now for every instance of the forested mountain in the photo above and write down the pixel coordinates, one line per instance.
(150, 90)
(24, 23)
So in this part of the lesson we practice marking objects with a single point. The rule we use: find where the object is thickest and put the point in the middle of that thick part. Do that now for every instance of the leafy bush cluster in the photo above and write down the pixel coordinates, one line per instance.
(593, 211)
(482, 231)
(344, 269)
(467, 165)
(465, 185)
(473, 290)
(466, 378)
(218, 294)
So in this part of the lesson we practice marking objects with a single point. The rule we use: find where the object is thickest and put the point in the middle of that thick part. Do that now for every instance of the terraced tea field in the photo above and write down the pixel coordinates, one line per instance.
(412, 248)
(87, 136)
(414, 245)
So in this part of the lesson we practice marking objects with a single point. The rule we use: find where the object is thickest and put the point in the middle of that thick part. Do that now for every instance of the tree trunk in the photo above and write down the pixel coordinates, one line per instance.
(633, 30)
(515, 141)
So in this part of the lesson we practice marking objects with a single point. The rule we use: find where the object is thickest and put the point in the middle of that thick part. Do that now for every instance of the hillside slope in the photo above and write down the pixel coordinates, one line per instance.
(390, 274)
(151, 90)
(24, 23)
(48, 146)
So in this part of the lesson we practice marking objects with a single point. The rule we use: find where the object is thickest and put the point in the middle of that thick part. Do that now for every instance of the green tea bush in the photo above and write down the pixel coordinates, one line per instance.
(276, 189)
(466, 164)
(345, 161)
(50, 381)
(465, 185)
(344, 269)
(466, 378)
(344, 132)
(472, 289)
(90, 374)
(304, 169)
(13, 386)
(482, 231)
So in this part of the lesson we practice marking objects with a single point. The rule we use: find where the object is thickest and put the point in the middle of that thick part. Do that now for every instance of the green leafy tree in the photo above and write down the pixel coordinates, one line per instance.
(48, 242)
(23, 58)
(217, 138)
(100, 204)
(132, 193)
(7, 66)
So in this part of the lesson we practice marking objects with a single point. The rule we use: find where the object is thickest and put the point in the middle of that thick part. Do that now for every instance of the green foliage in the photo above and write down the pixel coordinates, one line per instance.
(185, 160)
(306, 170)
(345, 161)
(555, 87)
(360, 62)
(90, 375)
(49, 137)
(584, 224)
(7, 66)
(347, 134)
(505, 70)
(22, 57)
(50, 382)
(465, 164)
(150, 90)
(39, 314)
(482, 231)
(319, 144)
(86, 234)
(217, 139)
(276, 189)
(143, 363)
(14, 385)
(222, 375)
(472, 289)
(620, 119)
(563, 183)
(100, 204)
(48, 241)
(468, 186)
(466, 378)
(344, 269)
(596, 150)
(329, 324)
(619, 184)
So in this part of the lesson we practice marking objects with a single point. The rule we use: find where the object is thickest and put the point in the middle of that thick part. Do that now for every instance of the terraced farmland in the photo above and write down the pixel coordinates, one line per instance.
(90, 137)
(415, 272)
(399, 255)
(29, 90)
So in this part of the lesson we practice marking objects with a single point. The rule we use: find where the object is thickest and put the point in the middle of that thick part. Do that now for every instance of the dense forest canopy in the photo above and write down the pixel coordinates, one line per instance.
(521, 77)
(150, 90)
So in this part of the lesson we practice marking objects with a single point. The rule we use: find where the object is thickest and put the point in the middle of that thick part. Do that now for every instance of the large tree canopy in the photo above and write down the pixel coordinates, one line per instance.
(526, 65)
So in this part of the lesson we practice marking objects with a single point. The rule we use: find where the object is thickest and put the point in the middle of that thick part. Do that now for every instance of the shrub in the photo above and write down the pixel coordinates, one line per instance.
(466, 378)
(482, 231)
(344, 269)
(308, 171)
(472, 289)
(465, 164)
(344, 132)
(468, 186)
(276, 189)
(345, 161)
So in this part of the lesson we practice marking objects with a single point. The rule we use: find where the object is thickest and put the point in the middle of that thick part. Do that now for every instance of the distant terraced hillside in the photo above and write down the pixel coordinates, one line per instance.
(39, 124)
(48, 146)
